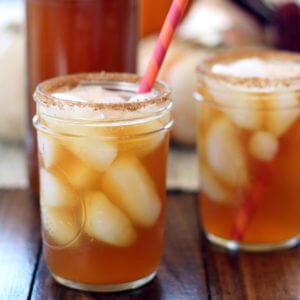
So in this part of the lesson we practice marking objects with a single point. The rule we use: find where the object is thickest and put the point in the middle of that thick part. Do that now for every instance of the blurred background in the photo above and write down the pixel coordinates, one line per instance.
(208, 27)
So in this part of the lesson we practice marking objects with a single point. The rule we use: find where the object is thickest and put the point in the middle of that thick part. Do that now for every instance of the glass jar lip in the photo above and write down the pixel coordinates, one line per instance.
(43, 92)
(255, 84)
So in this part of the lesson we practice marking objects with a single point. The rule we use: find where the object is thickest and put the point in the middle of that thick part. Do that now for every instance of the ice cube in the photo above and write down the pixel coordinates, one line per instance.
(48, 149)
(225, 154)
(212, 187)
(128, 184)
(279, 118)
(256, 67)
(97, 154)
(88, 93)
(56, 192)
(67, 128)
(248, 67)
(83, 93)
(263, 145)
(91, 94)
(106, 222)
(142, 97)
(62, 226)
(66, 96)
(80, 175)
(240, 108)
(144, 138)
(247, 117)
(110, 98)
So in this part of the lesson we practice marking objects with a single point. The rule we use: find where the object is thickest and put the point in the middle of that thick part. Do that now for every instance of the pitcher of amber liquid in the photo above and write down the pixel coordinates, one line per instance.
(68, 36)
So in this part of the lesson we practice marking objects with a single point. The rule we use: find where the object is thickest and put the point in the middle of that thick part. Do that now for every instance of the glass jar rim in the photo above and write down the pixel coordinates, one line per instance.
(249, 84)
(44, 91)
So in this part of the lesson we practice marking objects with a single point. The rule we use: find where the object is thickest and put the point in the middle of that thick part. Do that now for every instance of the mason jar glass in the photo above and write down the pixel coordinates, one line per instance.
(102, 169)
(248, 149)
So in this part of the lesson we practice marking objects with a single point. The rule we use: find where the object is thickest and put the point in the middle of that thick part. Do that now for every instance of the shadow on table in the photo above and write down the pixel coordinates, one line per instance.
(149, 291)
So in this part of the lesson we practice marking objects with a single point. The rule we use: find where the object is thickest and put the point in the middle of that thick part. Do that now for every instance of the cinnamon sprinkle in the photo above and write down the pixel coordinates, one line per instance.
(45, 90)
(204, 70)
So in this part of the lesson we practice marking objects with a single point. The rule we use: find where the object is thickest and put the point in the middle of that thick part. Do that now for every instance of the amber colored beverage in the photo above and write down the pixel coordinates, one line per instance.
(68, 36)
(102, 179)
(153, 14)
(249, 141)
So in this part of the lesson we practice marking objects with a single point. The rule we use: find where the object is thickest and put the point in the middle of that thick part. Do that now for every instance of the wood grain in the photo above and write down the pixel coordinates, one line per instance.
(258, 276)
(181, 274)
(19, 243)
(191, 267)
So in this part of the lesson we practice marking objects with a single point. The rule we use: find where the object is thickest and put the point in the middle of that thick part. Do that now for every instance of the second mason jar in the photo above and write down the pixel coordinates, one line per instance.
(248, 143)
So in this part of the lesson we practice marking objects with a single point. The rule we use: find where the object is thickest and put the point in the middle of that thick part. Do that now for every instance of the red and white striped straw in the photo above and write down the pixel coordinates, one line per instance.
(165, 37)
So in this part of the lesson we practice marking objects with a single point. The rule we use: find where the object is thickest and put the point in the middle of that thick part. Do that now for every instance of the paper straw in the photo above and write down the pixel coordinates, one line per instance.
(253, 197)
(165, 37)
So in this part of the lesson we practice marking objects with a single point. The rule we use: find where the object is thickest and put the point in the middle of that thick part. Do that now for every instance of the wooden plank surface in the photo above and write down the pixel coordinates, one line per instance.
(191, 267)
(267, 276)
(19, 243)
(181, 274)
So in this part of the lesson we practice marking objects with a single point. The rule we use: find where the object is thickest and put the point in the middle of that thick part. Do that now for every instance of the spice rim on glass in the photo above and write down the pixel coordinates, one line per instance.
(103, 154)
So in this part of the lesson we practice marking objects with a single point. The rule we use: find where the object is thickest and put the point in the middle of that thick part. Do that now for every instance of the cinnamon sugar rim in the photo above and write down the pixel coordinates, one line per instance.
(124, 82)
(204, 70)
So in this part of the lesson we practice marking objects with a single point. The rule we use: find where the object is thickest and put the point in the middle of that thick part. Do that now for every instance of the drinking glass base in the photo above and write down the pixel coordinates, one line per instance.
(105, 288)
(251, 247)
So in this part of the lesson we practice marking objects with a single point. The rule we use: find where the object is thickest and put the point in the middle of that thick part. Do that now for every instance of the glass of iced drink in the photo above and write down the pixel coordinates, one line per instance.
(102, 156)
(248, 144)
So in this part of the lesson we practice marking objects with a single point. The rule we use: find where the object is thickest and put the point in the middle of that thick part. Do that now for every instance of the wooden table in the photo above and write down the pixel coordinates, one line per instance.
(191, 268)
